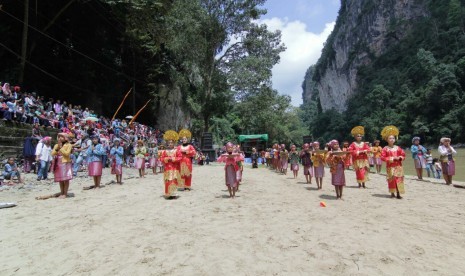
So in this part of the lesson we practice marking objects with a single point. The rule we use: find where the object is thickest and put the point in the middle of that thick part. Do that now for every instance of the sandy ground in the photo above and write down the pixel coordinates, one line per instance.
(274, 227)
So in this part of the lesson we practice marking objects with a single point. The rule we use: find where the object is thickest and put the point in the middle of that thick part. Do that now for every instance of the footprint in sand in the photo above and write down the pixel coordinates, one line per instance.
(418, 251)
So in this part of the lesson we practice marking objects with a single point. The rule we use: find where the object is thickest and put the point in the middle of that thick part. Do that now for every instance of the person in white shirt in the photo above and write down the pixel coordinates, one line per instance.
(43, 155)
(446, 158)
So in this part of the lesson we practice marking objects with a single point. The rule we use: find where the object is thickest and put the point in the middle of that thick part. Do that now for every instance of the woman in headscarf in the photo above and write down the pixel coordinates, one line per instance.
(62, 168)
(231, 168)
(447, 152)
(336, 161)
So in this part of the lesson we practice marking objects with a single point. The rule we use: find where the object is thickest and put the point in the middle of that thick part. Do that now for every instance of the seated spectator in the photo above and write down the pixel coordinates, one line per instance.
(36, 131)
(11, 171)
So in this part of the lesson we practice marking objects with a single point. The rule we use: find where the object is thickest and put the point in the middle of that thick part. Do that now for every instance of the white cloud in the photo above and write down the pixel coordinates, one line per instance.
(303, 49)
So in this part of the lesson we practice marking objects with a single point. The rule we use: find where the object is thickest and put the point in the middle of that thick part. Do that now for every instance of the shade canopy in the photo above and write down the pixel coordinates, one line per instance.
(261, 137)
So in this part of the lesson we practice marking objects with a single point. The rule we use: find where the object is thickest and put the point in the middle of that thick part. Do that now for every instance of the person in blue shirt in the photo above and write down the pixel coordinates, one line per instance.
(94, 156)
(11, 170)
(418, 155)
(116, 154)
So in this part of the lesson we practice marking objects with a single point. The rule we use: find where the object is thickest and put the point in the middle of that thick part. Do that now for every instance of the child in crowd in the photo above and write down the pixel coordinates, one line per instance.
(429, 163)
(140, 152)
(231, 168)
(153, 155)
(95, 158)
(306, 157)
(336, 161)
(11, 171)
(437, 168)
(62, 167)
(294, 157)
(318, 159)
(284, 159)
(376, 155)
(116, 154)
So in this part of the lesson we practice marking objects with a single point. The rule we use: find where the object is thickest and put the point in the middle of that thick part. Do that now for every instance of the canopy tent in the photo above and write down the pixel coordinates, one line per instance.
(260, 137)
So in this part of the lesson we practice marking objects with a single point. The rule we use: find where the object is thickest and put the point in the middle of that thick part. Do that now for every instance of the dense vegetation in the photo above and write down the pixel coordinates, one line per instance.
(92, 52)
(418, 84)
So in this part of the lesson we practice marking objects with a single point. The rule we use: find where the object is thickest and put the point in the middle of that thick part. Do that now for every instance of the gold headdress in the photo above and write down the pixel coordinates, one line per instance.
(185, 133)
(388, 131)
(357, 130)
(171, 135)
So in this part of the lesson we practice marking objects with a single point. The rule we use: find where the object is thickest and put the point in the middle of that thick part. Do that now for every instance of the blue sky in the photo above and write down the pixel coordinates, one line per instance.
(305, 25)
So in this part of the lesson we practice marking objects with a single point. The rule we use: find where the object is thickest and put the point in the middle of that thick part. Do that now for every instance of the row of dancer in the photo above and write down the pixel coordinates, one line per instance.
(315, 159)
(177, 162)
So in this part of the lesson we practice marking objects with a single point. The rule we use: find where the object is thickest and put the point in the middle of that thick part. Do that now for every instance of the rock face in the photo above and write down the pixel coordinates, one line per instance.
(170, 114)
(363, 31)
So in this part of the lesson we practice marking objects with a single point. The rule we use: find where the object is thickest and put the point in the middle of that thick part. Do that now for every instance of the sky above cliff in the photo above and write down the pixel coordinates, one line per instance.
(305, 26)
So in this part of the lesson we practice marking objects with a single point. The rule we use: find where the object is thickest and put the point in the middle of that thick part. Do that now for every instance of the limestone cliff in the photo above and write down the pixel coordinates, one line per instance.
(364, 30)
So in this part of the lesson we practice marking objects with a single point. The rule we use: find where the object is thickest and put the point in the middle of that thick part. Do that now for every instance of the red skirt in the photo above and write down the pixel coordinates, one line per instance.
(95, 168)
(62, 171)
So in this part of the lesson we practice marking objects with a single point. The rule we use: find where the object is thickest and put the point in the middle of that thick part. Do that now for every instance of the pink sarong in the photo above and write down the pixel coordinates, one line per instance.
(140, 163)
(448, 168)
(95, 168)
(62, 171)
(153, 162)
(231, 177)
(116, 169)
(338, 178)
(319, 171)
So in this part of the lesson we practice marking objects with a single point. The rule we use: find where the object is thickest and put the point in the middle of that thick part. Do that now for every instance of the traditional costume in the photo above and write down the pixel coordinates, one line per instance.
(185, 165)
(294, 157)
(140, 152)
(153, 155)
(359, 156)
(318, 160)
(306, 157)
(94, 158)
(171, 158)
(116, 154)
(394, 169)
(348, 160)
(231, 168)
(62, 166)
(336, 165)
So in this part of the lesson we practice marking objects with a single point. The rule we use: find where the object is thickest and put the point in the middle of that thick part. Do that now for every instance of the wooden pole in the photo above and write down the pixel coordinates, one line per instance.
(127, 94)
(138, 112)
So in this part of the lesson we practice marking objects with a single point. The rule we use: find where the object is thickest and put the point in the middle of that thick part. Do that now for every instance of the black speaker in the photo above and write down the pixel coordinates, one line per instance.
(307, 139)
(207, 140)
